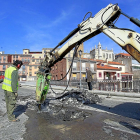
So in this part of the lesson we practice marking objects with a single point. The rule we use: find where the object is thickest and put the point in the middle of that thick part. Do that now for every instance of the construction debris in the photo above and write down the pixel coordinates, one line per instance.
(66, 107)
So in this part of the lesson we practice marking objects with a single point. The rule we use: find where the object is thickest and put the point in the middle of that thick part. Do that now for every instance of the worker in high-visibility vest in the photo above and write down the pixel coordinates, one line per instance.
(10, 87)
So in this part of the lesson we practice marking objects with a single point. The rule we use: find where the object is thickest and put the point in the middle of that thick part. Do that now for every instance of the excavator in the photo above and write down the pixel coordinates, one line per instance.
(103, 22)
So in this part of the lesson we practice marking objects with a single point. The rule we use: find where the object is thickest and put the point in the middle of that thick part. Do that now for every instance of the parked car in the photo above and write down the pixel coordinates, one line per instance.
(1, 76)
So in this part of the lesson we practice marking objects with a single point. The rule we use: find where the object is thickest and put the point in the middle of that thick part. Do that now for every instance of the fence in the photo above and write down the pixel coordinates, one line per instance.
(107, 85)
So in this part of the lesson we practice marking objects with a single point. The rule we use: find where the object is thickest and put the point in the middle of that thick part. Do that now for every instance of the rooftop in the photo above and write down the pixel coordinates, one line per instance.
(124, 54)
(126, 73)
(114, 63)
(106, 67)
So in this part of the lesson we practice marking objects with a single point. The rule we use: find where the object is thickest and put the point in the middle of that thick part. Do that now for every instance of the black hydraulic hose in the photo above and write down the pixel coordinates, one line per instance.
(105, 12)
(70, 68)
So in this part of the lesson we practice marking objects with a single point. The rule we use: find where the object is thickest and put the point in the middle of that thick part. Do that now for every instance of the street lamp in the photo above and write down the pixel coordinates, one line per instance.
(80, 53)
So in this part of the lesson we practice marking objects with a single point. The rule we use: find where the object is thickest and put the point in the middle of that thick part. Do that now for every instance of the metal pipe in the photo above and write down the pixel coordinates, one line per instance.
(125, 15)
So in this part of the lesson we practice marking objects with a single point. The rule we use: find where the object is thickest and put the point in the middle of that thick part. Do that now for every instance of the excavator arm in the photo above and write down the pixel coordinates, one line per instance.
(92, 26)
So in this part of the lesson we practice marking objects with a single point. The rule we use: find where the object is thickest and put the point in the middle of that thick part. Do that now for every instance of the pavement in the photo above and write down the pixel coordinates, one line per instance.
(34, 125)
(95, 91)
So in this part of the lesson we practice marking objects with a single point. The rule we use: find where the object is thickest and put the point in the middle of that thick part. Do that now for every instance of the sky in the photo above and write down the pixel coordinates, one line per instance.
(37, 24)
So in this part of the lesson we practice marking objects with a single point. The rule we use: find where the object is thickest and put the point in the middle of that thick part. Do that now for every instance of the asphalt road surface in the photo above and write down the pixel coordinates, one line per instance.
(115, 118)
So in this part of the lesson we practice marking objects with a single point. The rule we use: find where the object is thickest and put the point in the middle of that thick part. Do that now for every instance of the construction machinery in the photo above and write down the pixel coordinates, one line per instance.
(102, 22)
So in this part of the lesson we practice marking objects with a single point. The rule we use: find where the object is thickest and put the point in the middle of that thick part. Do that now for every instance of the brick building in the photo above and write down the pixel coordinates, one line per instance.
(60, 69)
(7, 60)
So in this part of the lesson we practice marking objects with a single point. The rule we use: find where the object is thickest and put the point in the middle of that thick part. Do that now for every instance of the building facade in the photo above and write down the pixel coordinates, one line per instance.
(102, 54)
(61, 68)
(6, 60)
(112, 76)
(125, 59)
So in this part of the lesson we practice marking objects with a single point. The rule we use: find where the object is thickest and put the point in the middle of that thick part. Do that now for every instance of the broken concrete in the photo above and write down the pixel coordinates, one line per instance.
(66, 107)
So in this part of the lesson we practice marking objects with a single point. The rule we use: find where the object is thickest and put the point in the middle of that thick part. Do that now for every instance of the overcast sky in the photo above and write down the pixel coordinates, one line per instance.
(37, 24)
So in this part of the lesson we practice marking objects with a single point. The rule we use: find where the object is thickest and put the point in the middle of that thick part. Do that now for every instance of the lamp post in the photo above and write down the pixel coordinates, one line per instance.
(80, 53)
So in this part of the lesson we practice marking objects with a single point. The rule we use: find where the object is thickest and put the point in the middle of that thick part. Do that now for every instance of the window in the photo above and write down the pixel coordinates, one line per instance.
(103, 55)
(106, 55)
(13, 56)
(35, 67)
(35, 72)
(4, 67)
(33, 60)
(84, 76)
(25, 59)
(30, 73)
(92, 67)
(74, 66)
(23, 67)
(74, 75)
(16, 56)
(109, 55)
(4, 58)
(113, 56)
(83, 66)
(118, 74)
(100, 74)
(23, 72)
(28, 60)
(22, 60)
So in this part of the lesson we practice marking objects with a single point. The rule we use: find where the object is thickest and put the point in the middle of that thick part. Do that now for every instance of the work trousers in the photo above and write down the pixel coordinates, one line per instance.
(89, 85)
(10, 99)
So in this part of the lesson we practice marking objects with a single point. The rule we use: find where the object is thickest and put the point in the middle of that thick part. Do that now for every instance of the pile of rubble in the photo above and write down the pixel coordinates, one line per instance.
(67, 106)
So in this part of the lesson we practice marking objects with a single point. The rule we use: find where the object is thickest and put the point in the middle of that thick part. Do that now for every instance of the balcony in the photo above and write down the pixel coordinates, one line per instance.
(126, 79)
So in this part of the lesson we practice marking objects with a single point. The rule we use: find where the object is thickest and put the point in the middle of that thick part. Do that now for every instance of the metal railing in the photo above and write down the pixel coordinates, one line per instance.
(106, 85)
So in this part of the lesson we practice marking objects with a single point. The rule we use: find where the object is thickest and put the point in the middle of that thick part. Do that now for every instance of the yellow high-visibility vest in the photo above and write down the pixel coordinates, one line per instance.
(7, 79)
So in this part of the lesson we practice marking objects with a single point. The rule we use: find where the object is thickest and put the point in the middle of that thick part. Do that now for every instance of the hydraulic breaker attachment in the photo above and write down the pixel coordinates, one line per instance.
(42, 87)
